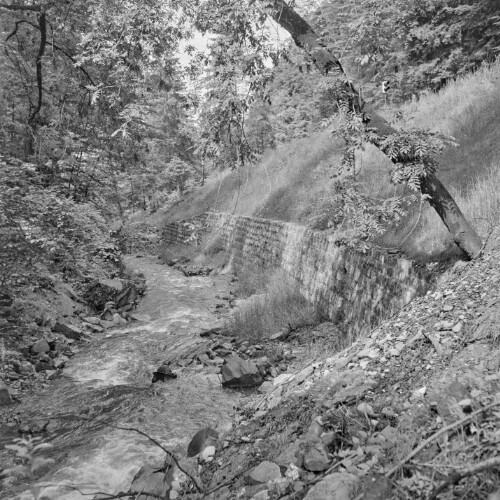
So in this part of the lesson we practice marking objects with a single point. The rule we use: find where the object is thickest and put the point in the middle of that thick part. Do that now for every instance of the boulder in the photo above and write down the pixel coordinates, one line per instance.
(237, 372)
(157, 482)
(68, 330)
(5, 398)
(162, 374)
(40, 346)
(336, 486)
(263, 473)
(207, 455)
(316, 459)
(197, 444)
(128, 297)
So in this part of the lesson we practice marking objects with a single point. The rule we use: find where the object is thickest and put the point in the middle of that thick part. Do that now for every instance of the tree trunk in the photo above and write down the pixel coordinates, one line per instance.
(305, 37)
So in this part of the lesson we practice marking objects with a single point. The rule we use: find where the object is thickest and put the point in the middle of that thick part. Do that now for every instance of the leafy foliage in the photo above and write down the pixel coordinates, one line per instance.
(42, 229)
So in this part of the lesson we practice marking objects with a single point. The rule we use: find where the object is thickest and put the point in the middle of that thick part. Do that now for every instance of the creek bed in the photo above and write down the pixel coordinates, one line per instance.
(108, 384)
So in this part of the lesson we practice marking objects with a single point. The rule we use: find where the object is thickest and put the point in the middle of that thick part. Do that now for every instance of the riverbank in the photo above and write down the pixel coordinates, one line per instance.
(407, 411)
(352, 422)
(108, 384)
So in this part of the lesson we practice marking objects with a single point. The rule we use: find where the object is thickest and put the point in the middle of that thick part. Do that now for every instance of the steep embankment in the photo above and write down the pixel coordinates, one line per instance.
(402, 412)
(293, 183)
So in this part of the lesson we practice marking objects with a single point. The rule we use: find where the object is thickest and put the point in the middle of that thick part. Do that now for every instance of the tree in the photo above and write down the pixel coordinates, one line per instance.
(305, 37)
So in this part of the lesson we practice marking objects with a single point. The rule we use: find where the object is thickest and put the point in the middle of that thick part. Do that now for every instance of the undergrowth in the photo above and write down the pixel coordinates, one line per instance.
(279, 305)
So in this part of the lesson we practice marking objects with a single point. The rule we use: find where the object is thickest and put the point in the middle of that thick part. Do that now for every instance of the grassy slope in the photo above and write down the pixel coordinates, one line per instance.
(292, 183)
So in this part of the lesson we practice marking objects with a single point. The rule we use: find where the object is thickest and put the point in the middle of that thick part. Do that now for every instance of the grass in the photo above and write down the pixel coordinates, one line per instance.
(292, 183)
(281, 305)
(280, 186)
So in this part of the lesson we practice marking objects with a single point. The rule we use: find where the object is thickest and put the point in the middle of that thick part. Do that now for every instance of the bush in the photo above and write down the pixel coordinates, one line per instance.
(280, 306)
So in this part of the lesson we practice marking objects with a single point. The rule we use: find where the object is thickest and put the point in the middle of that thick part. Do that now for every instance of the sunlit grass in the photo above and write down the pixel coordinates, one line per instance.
(293, 182)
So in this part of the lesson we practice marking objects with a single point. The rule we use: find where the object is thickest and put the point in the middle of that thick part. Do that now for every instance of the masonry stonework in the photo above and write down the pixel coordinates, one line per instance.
(354, 289)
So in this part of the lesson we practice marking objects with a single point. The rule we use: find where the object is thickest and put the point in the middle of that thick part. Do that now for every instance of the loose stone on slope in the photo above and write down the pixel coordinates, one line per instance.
(237, 372)
(263, 473)
(162, 374)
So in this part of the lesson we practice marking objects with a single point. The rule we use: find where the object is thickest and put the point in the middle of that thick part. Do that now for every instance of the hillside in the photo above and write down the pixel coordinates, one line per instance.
(293, 182)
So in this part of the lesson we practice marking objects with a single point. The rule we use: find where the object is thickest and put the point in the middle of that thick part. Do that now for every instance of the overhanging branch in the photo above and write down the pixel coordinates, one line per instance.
(305, 37)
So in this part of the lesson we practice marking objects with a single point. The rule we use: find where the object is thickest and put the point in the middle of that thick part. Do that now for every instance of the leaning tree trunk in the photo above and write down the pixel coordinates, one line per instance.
(305, 37)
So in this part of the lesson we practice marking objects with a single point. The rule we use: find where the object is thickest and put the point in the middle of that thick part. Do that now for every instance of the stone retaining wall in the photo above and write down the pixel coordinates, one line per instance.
(355, 289)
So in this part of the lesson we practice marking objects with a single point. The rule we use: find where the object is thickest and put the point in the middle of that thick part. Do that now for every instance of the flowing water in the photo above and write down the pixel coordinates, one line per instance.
(108, 384)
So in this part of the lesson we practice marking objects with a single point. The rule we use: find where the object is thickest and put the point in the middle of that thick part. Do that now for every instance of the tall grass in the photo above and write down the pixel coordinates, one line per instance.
(293, 182)
(280, 186)
(281, 305)
(479, 202)
(467, 109)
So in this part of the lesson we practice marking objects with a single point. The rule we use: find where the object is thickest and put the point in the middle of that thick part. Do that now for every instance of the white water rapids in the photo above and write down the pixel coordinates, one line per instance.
(109, 382)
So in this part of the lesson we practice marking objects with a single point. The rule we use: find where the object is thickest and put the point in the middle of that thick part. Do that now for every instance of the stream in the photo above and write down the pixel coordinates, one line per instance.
(108, 383)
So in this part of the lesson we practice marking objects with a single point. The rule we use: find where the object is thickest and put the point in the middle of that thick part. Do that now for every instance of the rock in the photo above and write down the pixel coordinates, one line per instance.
(369, 353)
(336, 486)
(42, 366)
(197, 444)
(5, 398)
(316, 458)
(162, 374)
(128, 297)
(156, 481)
(283, 378)
(212, 331)
(376, 487)
(265, 387)
(60, 362)
(315, 430)
(93, 320)
(448, 402)
(237, 372)
(118, 320)
(390, 433)
(45, 319)
(444, 325)
(40, 346)
(140, 317)
(263, 473)
(203, 358)
(366, 409)
(114, 284)
(207, 455)
(68, 330)
(291, 454)
(261, 495)
(305, 373)
(5, 300)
